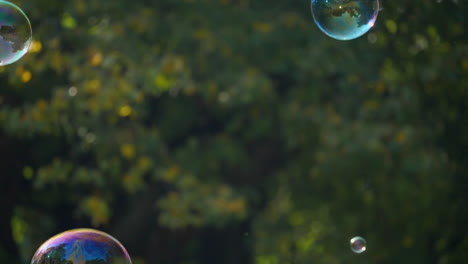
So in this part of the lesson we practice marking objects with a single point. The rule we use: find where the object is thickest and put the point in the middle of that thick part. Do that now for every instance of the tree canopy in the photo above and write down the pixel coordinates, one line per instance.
(235, 131)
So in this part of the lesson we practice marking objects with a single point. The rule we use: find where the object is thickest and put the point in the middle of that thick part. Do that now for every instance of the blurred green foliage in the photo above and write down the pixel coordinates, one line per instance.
(234, 131)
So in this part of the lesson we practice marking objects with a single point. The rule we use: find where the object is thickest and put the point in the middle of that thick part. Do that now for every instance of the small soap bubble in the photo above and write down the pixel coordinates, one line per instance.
(90, 137)
(372, 38)
(358, 244)
(15, 33)
(82, 246)
(223, 97)
(72, 91)
(82, 131)
(345, 19)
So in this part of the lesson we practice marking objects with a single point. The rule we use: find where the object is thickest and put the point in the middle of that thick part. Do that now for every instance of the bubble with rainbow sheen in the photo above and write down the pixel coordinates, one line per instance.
(15, 33)
(81, 246)
(345, 19)
(358, 244)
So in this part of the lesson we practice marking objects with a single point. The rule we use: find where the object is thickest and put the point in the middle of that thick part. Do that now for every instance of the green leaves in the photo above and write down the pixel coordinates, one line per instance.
(242, 113)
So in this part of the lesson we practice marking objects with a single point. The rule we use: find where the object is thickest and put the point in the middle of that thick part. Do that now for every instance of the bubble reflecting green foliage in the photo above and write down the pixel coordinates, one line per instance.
(81, 246)
(358, 244)
(345, 19)
(15, 33)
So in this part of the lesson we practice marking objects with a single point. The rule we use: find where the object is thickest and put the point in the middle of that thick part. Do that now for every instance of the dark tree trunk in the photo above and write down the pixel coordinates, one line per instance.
(10, 168)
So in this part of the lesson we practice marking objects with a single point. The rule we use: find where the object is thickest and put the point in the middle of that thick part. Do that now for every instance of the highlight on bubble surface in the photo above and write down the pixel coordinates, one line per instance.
(358, 244)
(345, 19)
(82, 246)
(15, 33)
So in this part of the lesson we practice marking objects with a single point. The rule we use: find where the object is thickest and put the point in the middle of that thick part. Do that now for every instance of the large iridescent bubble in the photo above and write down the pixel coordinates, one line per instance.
(345, 19)
(15, 33)
(81, 246)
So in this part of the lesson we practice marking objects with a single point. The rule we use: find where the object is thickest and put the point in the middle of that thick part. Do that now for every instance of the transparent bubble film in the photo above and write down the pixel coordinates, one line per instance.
(15, 33)
(345, 19)
(358, 244)
(81, 246)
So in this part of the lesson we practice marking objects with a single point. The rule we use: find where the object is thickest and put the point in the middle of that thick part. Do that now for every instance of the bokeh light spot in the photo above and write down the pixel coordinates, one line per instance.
(36, 47)
(128, 151)
(96, 59)
(125, 111)
(26, 76)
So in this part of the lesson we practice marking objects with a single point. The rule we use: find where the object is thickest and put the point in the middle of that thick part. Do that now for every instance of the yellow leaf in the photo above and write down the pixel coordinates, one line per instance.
(127, 151)
(171, 174)
(96, 59)
(163, 82)
(68, 21)
(36, 46)
(19, 228)
(401, 137)
(93, 86)
(173, 65)
(26, 76)
(371, 104)
(125, 111)
(392, 26)
(98, 210)
(93, 105)
(19, 70)
(291, 19)
(296, 219)
(465, 65)
(41, 105)
(263, 27)
(380, 88)
(133, 182)
(407, 242)
(236, 206)
(144, 163)
(201, 34)
(28, 173)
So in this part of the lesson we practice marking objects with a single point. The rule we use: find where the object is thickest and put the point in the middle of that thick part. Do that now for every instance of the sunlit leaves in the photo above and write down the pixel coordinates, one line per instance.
(221, 111)
(196, 203)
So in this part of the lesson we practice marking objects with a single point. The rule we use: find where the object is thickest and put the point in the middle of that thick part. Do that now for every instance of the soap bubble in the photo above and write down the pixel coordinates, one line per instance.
(358, 244)
(15, 33)
(80, 246)
(345, 19)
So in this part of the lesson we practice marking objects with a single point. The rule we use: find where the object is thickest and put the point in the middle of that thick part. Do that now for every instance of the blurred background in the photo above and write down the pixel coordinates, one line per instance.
(234, 131)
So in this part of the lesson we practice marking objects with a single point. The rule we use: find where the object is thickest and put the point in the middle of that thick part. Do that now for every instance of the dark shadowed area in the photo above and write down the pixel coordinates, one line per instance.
(236, 132)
